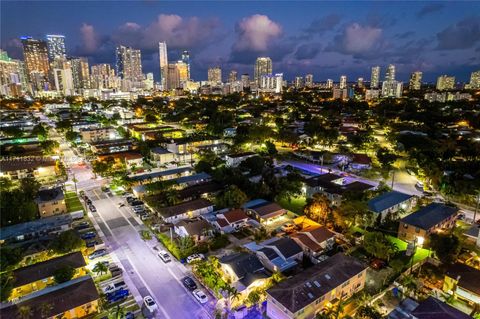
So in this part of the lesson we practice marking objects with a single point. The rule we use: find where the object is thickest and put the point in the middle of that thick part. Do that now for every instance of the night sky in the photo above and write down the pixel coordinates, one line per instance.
(327, 39)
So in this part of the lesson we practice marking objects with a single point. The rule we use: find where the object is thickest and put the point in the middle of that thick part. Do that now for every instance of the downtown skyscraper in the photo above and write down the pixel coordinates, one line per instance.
(129, 64)
(186, 60)
(35, 53)
(415, 81)
(263, 66)
(163, 57)
(56, 46)
(375, 78)
(215, 75)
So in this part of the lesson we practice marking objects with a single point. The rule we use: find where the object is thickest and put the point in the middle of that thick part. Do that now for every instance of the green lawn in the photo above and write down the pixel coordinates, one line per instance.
(73, 202)
(295, 205)
(420, 254)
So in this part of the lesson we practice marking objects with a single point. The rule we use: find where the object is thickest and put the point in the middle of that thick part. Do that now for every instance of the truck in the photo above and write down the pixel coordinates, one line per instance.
(114, 287)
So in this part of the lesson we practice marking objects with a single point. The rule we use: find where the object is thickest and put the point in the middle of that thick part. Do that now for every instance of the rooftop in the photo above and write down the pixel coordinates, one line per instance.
(429, 216)
(185, 207)
(242, 263)
(151, 175)
(304, 288)
(469, 277)
(432, 308)
(194, 227)
(63, 297)
(241, 154)
(267, 210)
(387, 200)
(47, 268)
(23, 163)
(52, 194)
(235, 215)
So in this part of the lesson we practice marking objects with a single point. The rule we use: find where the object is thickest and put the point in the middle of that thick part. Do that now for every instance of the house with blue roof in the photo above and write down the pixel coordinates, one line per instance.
(391, 202)
(426, 221)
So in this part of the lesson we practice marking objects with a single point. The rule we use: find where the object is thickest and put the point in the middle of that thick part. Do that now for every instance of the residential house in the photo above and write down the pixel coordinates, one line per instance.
(160, 175)
(264, 211)
(360, 162)
(277, 254)
(51, 202)
(233, 160)
(199, 190)
(161, 156)
(41, 275)
(333, 186)
(190, 209)
(244, 271)
(426, 221)
(314, 241)
(390, 203)
(430, 308)
(112, 146)
(130, 159)
(464, 282)
(18, 168)
(93, 134)
(308, 293)
(231, 221)
(73, 299)
(198, 229)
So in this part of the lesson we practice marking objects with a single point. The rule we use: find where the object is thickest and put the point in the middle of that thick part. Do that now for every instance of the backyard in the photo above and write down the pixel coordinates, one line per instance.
(72, 202)
(295, 204)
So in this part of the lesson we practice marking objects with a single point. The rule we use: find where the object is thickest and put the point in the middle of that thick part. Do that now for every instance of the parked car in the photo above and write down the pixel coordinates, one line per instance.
(90, 244)
(97, 253)
(117, 295)
(378, 264)
(92, 208)
(116, 271)
(89, 235)
(164, 256)
(144, 216)
(200, 296)
(82, 225)
(150, 303)
(114, 286)
(189, 283)
(195, 257)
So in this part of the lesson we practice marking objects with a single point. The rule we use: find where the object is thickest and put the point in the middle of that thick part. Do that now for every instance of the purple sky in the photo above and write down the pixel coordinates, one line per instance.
(327, 39)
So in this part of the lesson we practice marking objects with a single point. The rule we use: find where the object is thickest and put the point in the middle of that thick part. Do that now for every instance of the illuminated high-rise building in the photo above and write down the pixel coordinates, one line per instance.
(62, 75)
(245, 79)
(173, 77)
(35, 53)
(445, 82)
(56, 46)
(182, 71)
(474, 80)
(80, 73)
(298, 82)
(263, 66)
(129, 64)
(390, 75)
(360, 83)
(272, 83)
(103, 77)
(375, 78)
(215, 75)
(11, 75)
(329, 83)
(309, 80)
(186, 60)
(415, 83)
(232, 77)
(343, 82)
(163, 56)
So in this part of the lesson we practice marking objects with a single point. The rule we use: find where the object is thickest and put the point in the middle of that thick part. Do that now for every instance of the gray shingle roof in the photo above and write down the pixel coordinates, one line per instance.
(387, 200)
(430, 215)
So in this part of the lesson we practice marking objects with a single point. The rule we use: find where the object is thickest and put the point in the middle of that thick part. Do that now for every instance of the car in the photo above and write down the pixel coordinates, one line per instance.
(116, 271)
(83, 225)
(90, 244)
(89, 235)
(138, 209)
(129, 315)
(419, 185)
(97, 253)
(92, 208)
(114, 286)
(289, 227)
(200, 296)
(88, 201)
(117, 295)
(144, 216)
(164, 256)
(189, 283)
(126, 194)
(378, 264)
(150, 303)
(195, 257)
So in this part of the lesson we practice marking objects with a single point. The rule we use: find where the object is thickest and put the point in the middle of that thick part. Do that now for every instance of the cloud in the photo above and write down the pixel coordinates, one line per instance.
(461, 35)
(178, 32)
(326, 23)
(404, 35)
(358, 40)
(429, 9)
(89, 38)
(256, 33)
(307, 51)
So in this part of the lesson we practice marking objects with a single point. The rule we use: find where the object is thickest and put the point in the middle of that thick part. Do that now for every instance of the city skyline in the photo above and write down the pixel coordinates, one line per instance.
(435, 38)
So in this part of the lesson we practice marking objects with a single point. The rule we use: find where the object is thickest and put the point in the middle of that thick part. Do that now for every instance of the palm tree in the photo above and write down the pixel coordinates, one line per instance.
(117, 312)
(100, 268)
(231, 295)
(410, 284)
(24, 312)
(46, 309)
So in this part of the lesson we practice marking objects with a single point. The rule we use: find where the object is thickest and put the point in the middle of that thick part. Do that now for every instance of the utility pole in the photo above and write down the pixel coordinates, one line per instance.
(476, 208)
